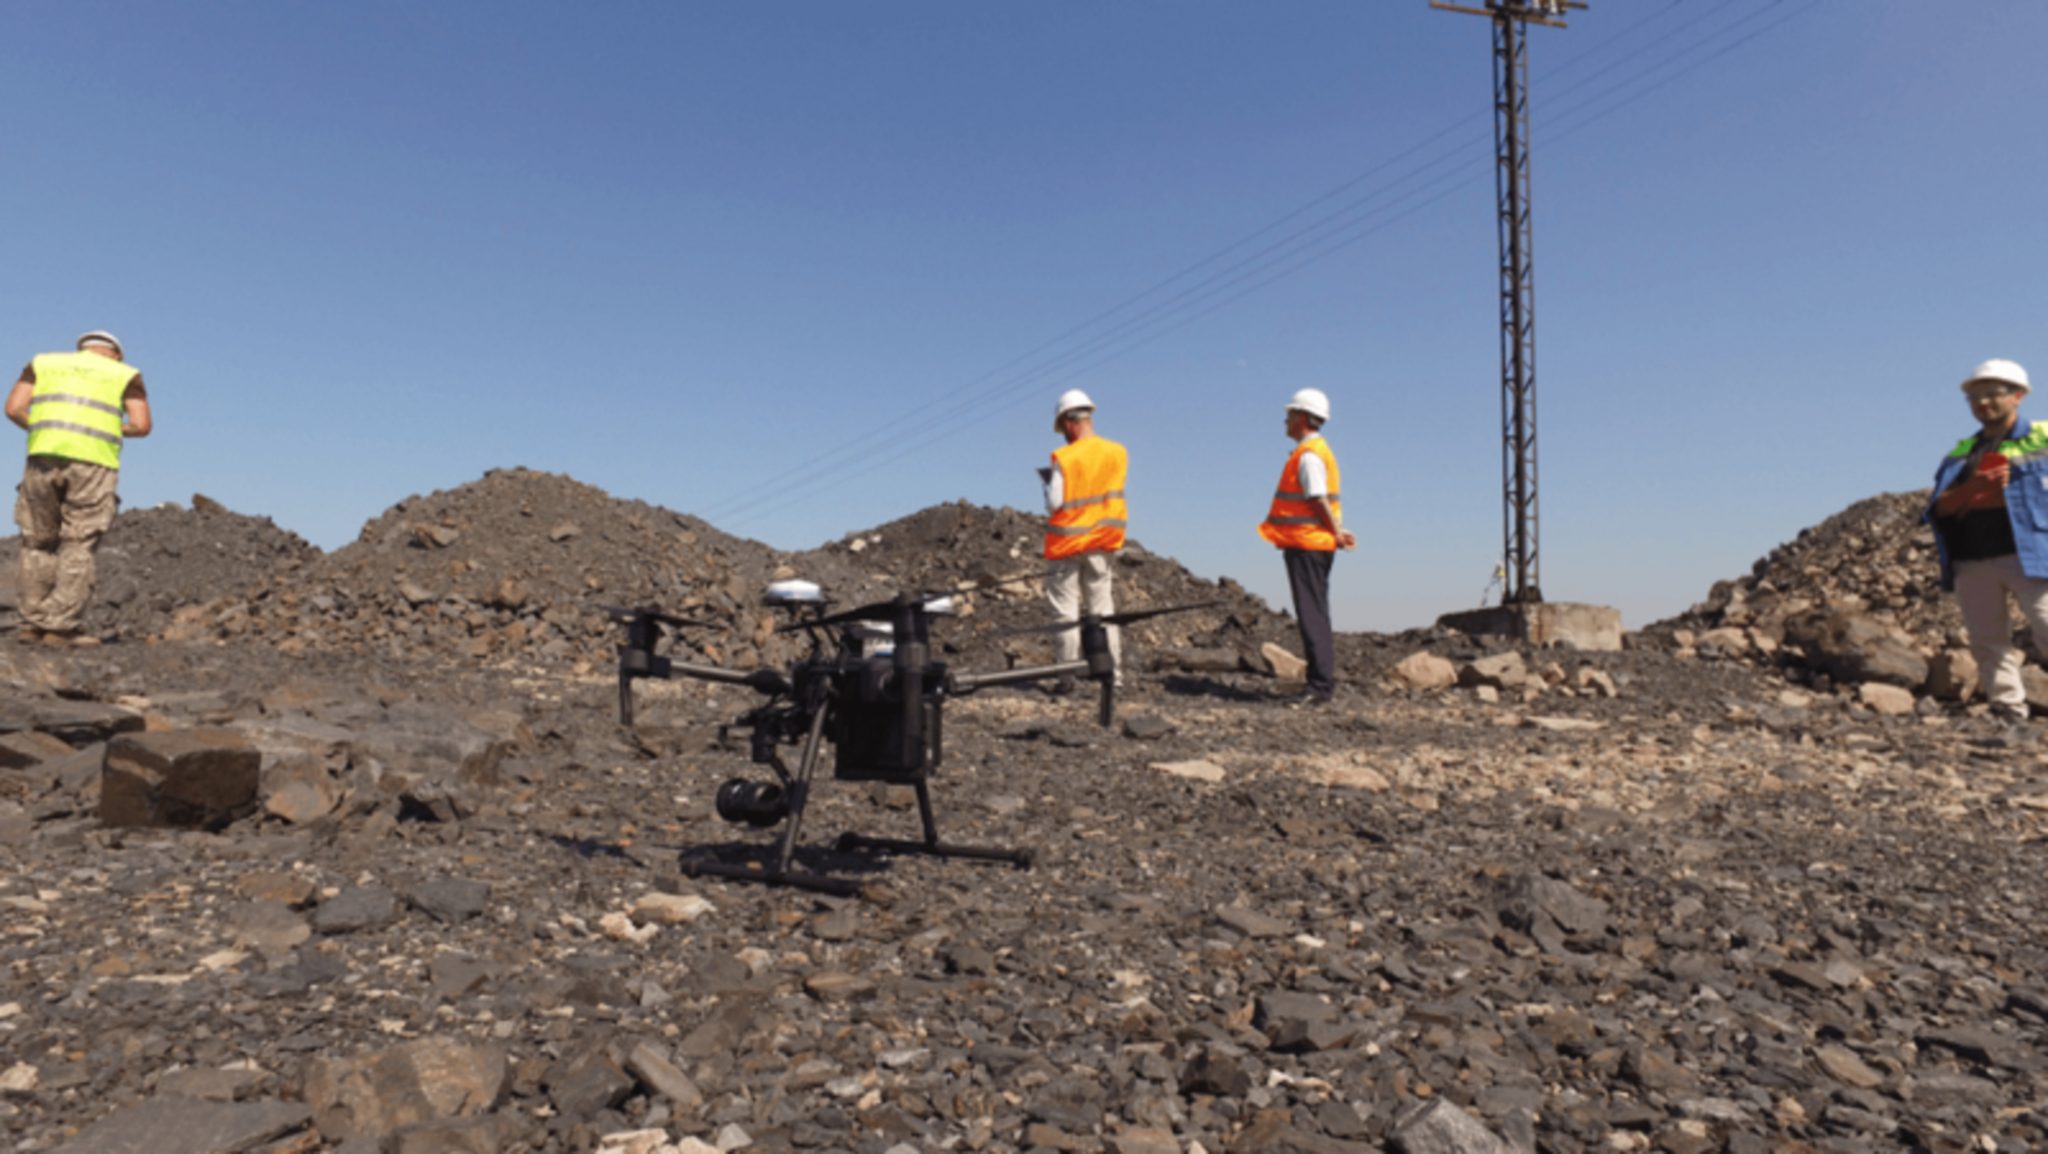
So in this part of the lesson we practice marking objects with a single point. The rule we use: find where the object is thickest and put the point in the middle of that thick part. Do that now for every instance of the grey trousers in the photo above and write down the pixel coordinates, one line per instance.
(1308, 577)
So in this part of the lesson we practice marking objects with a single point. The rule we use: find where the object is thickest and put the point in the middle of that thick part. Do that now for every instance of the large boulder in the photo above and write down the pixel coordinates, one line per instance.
(1952, 675)
(195, 778)
(1423, 670)
(1498, 671)
(431, 1080)
(1851, 647)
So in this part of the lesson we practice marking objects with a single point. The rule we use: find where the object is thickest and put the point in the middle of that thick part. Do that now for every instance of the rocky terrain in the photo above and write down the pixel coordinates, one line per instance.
(1856, 599)
(348, 852)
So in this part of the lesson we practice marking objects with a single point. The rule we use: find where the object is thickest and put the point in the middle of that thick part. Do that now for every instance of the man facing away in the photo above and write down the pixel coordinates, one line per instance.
(1306, 521)
(78, 408)
(1084, 497)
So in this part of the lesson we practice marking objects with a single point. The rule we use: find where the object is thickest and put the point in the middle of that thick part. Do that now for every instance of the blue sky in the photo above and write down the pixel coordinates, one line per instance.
(694, 253)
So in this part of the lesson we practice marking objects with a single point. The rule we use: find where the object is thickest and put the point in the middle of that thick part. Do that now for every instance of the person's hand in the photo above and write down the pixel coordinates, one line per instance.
(1346, 539)
(1998, 475)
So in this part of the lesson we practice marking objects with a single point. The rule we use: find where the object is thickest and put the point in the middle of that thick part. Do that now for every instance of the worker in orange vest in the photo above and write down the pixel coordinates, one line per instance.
(1084, 500)
(1307, 522)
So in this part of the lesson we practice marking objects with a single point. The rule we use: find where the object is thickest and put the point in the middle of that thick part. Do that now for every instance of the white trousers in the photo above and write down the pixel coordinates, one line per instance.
(1077, 584)
(1981, 587)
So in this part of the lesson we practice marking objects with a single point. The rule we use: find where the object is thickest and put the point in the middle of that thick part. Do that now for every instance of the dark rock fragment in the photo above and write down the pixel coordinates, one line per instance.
(1439, 1127)
(1147, 727)
(651, 1066)
(587, 1081)
(450, 901)
(189, 1126)
(1852, 647)
(1213, 1072)
(200, 779)
(1252, 923)
(356, 908)
(1530, 898)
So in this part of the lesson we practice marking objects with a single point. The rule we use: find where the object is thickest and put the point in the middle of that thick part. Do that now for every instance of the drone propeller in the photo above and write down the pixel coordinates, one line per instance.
(1108, 619)
(624, 613)
(886, 610)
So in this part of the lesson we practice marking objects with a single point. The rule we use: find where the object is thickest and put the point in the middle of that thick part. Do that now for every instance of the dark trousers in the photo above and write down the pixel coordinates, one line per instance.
(1308, 577)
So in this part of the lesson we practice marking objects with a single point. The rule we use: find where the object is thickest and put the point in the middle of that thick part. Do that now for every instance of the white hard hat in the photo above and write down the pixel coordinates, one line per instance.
(1070, 401)
(1312, 402)
(100, 337)
(2002, 371)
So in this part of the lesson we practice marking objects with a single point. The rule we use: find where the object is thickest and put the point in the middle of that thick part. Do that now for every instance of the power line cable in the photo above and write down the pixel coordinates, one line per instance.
(783, 498)
(857, 446)
(1280, 259)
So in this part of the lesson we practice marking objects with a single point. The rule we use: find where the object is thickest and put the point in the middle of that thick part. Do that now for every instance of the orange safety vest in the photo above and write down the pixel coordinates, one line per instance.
(1292, 522)
(1091, 517)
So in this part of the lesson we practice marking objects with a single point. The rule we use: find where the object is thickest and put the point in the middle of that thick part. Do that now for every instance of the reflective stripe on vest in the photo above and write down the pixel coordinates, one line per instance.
(1091, 517)
(2033, 444)
(1292, 522)
(75, 410)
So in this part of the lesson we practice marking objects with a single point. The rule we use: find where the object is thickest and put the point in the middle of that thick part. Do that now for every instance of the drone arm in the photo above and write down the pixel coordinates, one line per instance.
(705, 672)
(961, 684)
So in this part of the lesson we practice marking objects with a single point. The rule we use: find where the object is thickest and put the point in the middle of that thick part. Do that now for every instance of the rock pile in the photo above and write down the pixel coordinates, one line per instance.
(1853, 601)
(159, 560)
(519, 567)
(961, 545)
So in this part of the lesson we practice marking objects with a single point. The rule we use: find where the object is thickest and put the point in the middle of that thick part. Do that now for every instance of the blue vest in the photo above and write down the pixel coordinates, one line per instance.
(2026, 496)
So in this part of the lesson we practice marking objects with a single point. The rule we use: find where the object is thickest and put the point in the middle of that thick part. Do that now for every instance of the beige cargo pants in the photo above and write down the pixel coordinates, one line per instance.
(1074, 583)
(63, 508)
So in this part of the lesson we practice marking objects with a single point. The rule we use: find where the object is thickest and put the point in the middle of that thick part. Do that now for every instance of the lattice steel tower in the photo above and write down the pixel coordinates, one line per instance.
(1519, 521)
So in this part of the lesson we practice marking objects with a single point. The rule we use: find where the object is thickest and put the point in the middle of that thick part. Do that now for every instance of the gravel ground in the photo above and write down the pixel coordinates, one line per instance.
(1705, 912)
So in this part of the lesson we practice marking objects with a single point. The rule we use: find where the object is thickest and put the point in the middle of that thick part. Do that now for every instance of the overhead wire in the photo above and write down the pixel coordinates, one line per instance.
(969, 396)
(1325, 236)
(1429, 195)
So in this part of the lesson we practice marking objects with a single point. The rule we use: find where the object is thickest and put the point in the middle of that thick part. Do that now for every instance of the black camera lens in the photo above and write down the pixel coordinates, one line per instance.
(756, 803)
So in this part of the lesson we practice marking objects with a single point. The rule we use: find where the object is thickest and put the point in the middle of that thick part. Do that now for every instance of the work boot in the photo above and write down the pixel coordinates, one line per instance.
(1063, 687)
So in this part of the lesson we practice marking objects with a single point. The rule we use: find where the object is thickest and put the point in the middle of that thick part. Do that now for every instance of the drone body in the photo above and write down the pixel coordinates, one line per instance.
(874, 693)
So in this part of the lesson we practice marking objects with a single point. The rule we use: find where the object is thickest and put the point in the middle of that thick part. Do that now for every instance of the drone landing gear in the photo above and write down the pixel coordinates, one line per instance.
(931, 846)
(796, 794)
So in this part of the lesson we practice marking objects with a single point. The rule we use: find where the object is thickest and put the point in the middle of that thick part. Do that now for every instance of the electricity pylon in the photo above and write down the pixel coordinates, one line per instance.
(1519, 521)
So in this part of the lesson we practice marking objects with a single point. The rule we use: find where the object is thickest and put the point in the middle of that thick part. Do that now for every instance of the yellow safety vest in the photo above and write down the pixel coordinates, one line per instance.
(75, 410)
(1091, 517)
(1292, 522)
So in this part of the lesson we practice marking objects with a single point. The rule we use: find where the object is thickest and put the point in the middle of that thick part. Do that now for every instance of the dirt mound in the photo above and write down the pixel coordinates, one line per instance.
(1874, 557)
(962, 544)
(516, 565)
(157, 561)
(520, 566)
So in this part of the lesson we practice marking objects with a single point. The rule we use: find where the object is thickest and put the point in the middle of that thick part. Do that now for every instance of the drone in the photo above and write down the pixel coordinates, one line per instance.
(871, 688)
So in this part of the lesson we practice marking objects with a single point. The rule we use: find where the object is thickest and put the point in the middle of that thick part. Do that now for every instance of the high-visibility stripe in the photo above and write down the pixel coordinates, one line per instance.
(2025, 444)
(75, 399)
(1084, 530)
(1294, 521)
(1090, 517)
(1083, 503)
(68, 427)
